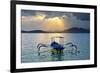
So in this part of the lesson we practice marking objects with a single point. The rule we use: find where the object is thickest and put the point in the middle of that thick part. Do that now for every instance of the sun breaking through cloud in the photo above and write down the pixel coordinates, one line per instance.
(55, 24)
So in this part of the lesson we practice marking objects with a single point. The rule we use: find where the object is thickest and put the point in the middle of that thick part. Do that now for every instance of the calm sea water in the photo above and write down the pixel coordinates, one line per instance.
(29, 51)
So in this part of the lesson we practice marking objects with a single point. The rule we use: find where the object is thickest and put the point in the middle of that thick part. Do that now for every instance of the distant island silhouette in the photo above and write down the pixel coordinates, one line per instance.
(71, 30)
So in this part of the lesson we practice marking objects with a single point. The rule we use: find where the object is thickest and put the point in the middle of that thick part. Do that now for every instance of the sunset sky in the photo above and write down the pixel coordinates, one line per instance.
(53, 21)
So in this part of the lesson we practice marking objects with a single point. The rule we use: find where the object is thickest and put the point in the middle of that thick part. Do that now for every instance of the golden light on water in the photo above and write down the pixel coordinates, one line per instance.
(50, 36)
(55, 34)
(47, 38)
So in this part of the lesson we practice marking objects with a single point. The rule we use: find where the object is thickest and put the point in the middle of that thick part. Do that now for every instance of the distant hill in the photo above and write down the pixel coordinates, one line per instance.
(71, 30)
(33, 31)
(77, 30)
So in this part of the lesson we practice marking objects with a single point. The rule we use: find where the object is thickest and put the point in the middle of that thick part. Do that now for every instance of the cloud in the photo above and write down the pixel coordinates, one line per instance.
(79, 22)
(37, 20)
(41, 22)
(32, 22)
(27, 12)
(82, 16)
(55, 24)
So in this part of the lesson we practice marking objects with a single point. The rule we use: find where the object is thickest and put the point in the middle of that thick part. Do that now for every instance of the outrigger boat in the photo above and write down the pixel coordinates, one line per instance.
(58, 46)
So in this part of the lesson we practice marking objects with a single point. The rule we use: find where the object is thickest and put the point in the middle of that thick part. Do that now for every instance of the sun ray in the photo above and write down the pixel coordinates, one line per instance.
(55, 24)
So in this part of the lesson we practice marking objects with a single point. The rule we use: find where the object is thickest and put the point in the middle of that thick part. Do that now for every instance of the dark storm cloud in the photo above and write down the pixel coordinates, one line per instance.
(82, 16)
(27, 13)
(49, 14)
(54, 14)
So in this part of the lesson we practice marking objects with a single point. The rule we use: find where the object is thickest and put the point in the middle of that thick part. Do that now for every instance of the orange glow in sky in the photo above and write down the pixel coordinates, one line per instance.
(55, 24)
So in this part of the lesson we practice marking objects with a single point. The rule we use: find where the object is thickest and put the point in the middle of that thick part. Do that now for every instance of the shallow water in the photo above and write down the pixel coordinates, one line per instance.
(29, 51)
